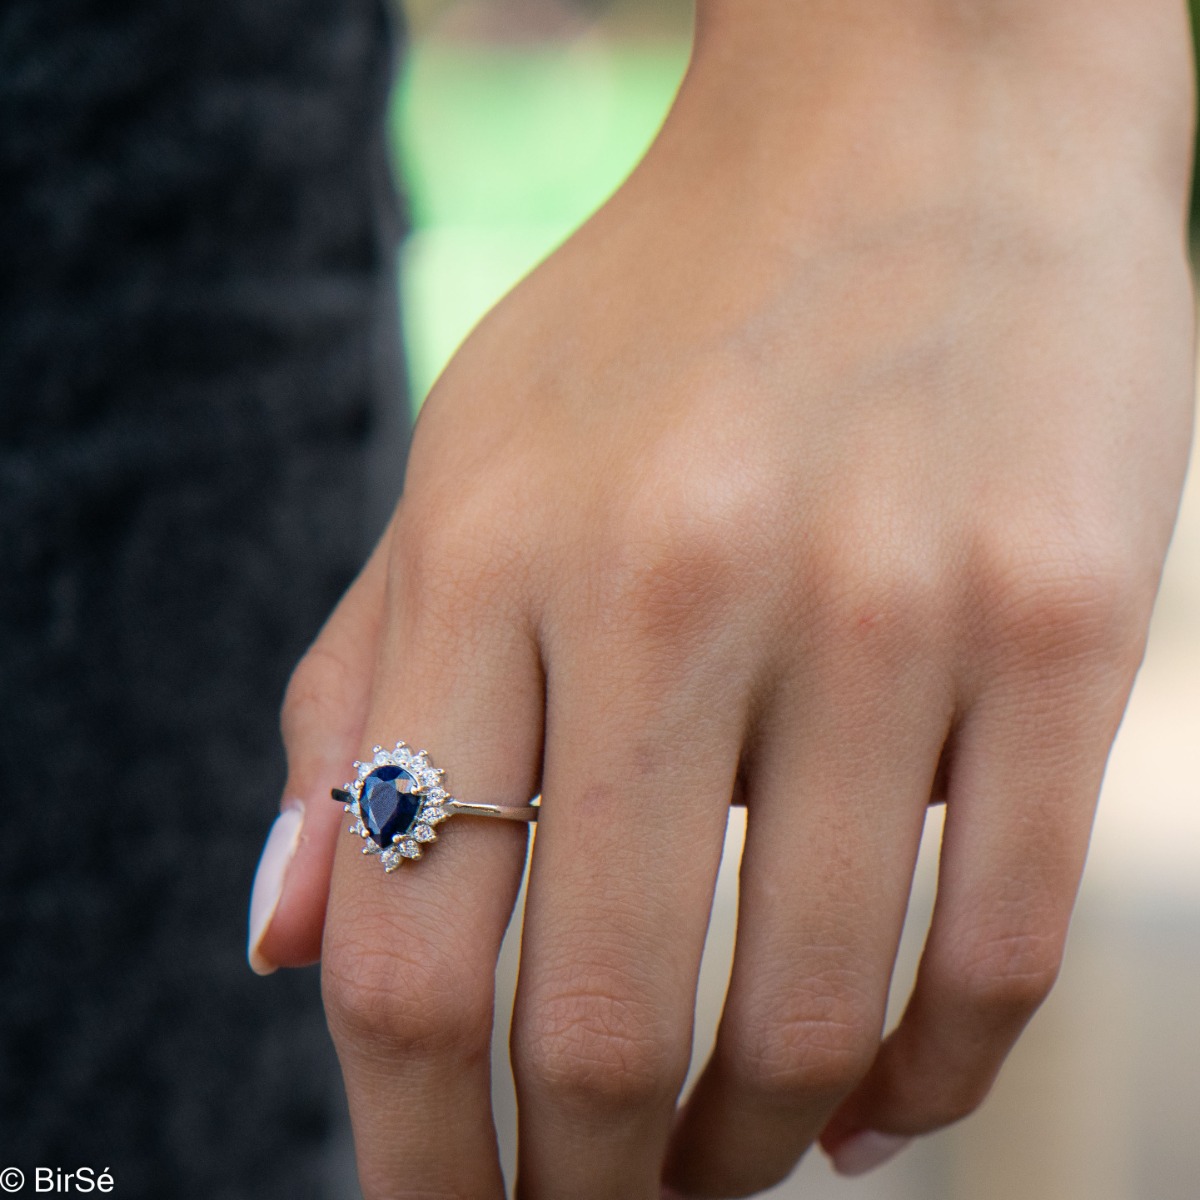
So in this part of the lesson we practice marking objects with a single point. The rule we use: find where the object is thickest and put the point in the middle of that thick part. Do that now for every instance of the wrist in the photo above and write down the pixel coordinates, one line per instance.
(870, 106)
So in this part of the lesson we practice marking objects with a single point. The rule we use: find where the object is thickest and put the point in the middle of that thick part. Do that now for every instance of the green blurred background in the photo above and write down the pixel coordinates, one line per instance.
(511, 123)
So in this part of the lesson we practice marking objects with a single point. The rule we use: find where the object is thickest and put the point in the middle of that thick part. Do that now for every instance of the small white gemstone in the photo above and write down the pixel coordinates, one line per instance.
(435, 795)
(382, 758)
(423, 833)
(364, 768)
(430, 777)
(390, 859)
(409, 848)
(433, 814)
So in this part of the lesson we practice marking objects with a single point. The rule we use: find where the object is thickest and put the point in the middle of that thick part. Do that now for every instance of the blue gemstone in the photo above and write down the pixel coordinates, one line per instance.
(387, 803)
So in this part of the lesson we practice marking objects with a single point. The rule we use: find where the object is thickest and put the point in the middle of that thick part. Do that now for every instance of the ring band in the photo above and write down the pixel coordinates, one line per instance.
(397, 799)
(505, 812)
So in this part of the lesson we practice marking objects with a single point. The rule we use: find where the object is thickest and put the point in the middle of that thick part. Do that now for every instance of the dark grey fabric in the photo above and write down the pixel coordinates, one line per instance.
(194, 269)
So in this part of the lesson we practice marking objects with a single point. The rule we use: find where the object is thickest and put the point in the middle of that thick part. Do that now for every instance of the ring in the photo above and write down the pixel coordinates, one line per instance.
(398, 798)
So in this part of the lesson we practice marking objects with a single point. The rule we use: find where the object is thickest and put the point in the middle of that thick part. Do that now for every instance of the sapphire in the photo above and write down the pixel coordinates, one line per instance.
(388, 805)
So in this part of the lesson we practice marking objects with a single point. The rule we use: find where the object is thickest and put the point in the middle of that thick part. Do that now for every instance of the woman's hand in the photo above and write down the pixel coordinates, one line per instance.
(830, 467)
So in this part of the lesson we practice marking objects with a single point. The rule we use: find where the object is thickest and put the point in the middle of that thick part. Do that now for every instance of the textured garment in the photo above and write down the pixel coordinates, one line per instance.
(196, 337)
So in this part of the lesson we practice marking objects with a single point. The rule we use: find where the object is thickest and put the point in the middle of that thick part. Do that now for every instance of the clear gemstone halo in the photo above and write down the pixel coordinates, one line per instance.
(396, 799)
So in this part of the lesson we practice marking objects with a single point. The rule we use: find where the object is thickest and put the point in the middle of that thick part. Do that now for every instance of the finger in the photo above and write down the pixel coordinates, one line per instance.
(322, 720)
(836, 794)
(640, 765)
(1026, 772)
(409, 957)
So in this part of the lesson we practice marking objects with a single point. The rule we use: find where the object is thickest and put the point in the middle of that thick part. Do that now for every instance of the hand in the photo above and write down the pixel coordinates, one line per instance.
(833, 480)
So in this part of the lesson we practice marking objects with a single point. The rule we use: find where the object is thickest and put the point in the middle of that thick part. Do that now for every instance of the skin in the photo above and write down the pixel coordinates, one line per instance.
(829, 468)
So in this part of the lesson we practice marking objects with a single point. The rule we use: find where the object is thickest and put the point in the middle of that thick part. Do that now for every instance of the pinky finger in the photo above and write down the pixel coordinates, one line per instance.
(1019, 814)
(323, 715)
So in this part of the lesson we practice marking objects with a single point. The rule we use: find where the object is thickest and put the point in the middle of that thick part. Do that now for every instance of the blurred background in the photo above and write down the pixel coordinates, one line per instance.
(511, 122)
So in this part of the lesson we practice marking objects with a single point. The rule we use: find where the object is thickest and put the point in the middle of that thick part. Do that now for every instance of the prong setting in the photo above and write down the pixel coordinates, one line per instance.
(426, 789)
(397, 800)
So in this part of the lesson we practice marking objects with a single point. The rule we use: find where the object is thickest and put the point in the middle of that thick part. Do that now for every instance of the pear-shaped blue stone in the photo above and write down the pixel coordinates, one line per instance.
(387, 803)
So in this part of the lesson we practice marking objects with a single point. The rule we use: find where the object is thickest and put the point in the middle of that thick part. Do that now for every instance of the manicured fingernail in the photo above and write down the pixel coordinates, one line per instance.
(268, 880)
(865, 1151)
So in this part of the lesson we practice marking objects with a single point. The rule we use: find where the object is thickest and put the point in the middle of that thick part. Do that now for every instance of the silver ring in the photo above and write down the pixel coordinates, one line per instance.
(397, 800)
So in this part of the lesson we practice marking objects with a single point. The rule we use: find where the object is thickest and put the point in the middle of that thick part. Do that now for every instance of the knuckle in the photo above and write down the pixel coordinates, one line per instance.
(667, 585)
(819, 1050)
(812, 1058)
(457, 553)
(401, 1005)
(1007, 978)
(594, 1049)
(943, 1102)
(676, 553)
(1048, 601)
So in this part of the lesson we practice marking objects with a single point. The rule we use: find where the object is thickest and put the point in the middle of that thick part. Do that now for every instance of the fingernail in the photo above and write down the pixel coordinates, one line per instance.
(268, 880)
(865, 1151)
